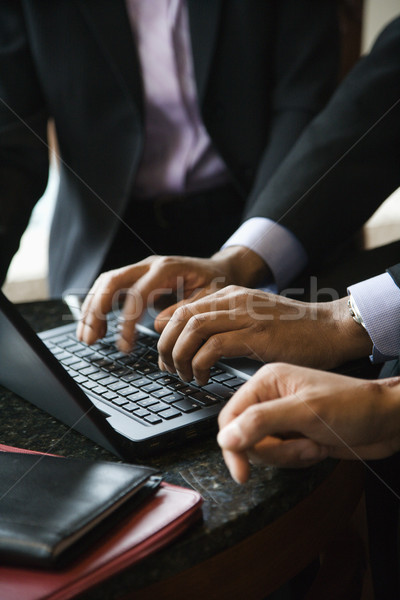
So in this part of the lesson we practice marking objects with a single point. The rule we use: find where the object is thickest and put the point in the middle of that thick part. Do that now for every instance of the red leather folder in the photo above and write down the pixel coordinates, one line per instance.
(157, 523)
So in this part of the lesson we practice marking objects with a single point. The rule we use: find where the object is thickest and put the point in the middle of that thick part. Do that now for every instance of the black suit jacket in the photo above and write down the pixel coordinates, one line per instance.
(347, 162)
(263, 69)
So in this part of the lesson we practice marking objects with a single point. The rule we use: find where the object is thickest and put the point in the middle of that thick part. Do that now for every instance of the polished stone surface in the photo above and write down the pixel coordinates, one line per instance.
(230, 512)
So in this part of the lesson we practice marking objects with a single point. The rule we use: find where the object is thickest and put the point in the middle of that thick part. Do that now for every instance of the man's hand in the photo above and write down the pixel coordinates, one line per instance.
(294, 417)
(146, 281)
(237, 321)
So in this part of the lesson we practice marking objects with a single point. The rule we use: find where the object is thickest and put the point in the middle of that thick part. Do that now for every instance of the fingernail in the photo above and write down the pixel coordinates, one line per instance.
(183, 377)
(229, 436)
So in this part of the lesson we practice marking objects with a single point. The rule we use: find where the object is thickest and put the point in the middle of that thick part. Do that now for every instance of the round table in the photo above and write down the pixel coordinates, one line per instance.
(252, 539)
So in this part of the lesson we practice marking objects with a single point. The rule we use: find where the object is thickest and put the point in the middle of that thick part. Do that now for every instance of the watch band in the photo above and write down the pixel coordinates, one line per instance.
(355, 313)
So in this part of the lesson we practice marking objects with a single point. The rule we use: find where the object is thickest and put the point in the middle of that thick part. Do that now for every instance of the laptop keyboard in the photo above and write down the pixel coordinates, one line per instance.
(133, 383)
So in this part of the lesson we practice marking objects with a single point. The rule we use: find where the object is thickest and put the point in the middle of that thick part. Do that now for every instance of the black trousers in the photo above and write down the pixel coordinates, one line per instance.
(196, 225)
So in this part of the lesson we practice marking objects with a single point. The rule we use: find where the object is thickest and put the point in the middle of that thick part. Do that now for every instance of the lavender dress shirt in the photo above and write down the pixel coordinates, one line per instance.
(178, 155)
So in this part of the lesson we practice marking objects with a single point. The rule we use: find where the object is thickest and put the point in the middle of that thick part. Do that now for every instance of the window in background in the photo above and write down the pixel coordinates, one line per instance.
(27, 275)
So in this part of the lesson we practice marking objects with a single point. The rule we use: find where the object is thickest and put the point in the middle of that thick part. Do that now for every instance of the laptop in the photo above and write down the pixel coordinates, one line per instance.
(121, 402)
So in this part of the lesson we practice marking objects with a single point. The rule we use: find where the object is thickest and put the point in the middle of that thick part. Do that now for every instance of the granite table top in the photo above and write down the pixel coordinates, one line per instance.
(230, 512)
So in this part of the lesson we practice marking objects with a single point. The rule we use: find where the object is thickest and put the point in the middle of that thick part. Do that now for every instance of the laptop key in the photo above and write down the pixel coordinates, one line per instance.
(116, 355)
(141, 412)
(128, 359)
(167, 380)
(174, 397)
(156, 408)
(130, 377)
(126, 391)
(117, 386)
(108, 380)
(97, 375)
(205, 399)
(160, 392)
(148, 369)
(121, 371)
(236, 382)
(170, 413)
(88, 371)
(130, 406)
(81, 365)
(110, 396)
(64, 342)
(102, 362)
(99, 389)
(153, 419)
(147, 402)
(151, 356)
(177, 385)
(89, 384)
(216, 371)
(156, 375)
(152, 387)
(187, 390)
(219, 390)
(141, 382)
(186, 406)
(119, 401)
(138, 395)
(86, 352)
(69, 360)
(80, 379)
(222, 377)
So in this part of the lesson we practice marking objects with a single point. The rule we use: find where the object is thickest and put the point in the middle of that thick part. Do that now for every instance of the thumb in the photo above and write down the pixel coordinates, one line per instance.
(162, 319)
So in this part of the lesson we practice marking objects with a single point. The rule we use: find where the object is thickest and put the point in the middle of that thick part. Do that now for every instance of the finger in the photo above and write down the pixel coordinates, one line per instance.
(103, 296)
(187, 332)
(238, 465)
(227, 344)
(252, 392)
(270, 382)
(374, 451)
(165, 315)
(172, 331)
(155, 283)
(258, 421)
(171, 325)
(293, 453)
(93, 323)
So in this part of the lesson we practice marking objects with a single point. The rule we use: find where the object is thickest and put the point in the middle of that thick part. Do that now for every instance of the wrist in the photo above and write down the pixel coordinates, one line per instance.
(242, 266)
(350, 338)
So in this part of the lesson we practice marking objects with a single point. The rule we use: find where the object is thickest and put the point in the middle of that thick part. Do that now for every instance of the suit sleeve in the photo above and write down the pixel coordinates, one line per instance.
(23, 121)
(394, 272)
(305, 67)
(347, 160)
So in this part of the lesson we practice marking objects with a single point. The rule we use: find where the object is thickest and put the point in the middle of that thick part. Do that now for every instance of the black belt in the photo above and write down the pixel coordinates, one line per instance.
(165, 207)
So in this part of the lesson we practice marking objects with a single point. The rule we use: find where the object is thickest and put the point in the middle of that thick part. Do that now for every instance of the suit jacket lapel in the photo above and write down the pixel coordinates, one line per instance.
(204, 18)
(120, 49)
(109, 23)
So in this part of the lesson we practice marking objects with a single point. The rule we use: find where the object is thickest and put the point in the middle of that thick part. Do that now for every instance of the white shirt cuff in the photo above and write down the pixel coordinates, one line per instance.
(277, 246)
(378, 300)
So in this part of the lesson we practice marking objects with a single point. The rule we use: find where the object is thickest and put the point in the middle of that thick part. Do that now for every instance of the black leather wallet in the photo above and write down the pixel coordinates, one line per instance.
(51, 508)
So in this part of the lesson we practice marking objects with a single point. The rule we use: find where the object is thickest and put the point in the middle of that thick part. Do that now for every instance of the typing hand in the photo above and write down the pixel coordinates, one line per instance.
(293, 417)
(145, 282)
(237, 321)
